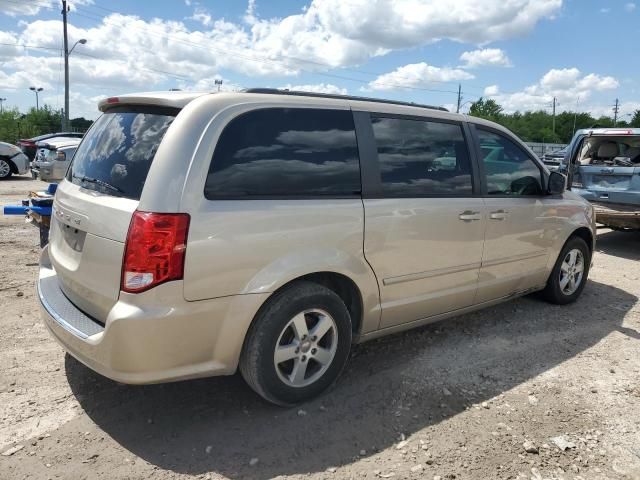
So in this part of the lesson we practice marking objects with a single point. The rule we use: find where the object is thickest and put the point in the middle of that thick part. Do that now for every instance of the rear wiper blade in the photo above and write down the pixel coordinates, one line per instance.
(97, 181)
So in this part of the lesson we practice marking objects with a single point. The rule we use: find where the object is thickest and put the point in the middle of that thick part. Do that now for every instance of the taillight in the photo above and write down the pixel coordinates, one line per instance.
(155, 250)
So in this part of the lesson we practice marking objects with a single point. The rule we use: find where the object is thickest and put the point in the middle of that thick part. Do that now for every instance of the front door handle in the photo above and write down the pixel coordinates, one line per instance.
(498, 215)
(469, 216)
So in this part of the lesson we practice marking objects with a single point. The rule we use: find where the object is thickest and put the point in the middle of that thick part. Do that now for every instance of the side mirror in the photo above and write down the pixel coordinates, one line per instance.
(61, 156)
(557, 184)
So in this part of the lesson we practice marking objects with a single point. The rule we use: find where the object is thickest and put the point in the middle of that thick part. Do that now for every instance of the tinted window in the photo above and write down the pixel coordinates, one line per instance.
(282, 152)
(115, 155)
(508, 168)
(422, 157)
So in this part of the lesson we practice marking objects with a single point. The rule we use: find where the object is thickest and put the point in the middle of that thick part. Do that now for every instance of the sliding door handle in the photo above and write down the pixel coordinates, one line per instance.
(498, 215)
(469, 216)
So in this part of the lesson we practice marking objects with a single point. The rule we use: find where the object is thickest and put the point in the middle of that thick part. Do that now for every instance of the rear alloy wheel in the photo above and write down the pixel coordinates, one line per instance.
(569, 275)
(306, 348)
(5, 169)
(297, 345)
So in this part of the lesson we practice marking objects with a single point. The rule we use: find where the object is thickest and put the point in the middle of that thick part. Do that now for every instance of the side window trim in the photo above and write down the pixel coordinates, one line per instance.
(374, 188)
(370, 178)
(483, 177)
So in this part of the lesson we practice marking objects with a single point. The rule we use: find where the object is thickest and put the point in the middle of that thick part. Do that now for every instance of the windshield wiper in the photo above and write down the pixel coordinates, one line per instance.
(97, 181)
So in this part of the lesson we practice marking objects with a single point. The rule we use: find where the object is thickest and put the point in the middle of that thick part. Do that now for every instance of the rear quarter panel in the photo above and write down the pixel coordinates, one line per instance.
(239, 247)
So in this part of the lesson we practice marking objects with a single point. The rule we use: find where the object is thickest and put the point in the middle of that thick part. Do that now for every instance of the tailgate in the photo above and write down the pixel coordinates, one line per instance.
(94, 204)
(86, 245)
(612, 184)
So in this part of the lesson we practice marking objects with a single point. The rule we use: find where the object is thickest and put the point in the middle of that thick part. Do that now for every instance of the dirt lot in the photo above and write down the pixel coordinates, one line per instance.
(462, 399)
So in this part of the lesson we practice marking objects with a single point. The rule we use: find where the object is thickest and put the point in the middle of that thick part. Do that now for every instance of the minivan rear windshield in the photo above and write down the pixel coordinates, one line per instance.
(116, 153)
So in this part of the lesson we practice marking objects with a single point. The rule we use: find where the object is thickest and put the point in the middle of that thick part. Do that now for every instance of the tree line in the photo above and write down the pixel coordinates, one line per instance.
(15, 125)
(529, 126)
(538, 126)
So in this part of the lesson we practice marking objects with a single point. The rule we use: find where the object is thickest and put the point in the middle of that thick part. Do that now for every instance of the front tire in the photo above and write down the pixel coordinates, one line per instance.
(297, 345)
(569, 274)
(5, 169)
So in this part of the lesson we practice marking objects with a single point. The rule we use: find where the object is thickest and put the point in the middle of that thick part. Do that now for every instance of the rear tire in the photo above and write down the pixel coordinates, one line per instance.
(282, 359)
(569, 275)
(5, 169)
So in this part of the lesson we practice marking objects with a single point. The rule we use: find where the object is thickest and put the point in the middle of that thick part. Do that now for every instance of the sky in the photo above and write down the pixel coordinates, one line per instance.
(521, 53)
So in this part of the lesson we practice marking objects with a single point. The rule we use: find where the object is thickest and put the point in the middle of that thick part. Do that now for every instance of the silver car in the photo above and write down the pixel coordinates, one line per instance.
(605, 169)
(268, 231)
(53, 158)
(12, 161)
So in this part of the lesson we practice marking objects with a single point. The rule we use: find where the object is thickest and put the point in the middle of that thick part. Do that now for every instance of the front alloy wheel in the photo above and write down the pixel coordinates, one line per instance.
(5, 169)
(569, 275)
(571, 271)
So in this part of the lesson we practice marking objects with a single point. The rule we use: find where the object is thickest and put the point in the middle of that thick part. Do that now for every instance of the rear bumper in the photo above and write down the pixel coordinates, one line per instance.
(618, 215)
(152, 337)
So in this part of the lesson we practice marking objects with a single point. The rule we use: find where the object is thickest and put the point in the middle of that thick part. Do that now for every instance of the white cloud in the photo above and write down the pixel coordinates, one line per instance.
(15, 8)
(567, 85)
(630, 7)
(418, 75)
(317, 88)
(202, 16)
(125, 52)
(605, 10)
(485, 57)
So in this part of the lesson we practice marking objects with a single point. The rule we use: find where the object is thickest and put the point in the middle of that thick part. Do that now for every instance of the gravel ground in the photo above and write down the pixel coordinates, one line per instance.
(523, 390)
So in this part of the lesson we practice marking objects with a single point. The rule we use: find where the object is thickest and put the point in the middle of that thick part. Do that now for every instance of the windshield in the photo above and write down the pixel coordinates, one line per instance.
(116, 153)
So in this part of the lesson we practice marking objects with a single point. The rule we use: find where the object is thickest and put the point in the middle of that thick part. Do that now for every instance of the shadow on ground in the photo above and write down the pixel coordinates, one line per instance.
(619, 244)
(391, 385)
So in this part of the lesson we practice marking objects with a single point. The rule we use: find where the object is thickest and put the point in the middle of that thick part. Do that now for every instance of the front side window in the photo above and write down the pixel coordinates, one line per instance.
(286, 152)
(421, 158)
(508, 168)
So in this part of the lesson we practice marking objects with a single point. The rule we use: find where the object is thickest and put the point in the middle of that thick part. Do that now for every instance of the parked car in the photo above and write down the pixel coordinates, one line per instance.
(554, 159)
(12, 161)
(29, 147)
(604, 168)
(195, 234)
(53, 158)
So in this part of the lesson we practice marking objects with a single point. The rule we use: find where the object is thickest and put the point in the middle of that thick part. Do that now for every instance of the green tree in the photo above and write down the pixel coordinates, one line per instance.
(635, 119)
(488, 109)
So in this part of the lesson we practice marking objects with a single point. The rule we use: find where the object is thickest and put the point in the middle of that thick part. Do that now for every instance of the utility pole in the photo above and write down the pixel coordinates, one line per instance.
(2, 100)
(65, 9)
(616, 109)
(459, 97)
(554, 115)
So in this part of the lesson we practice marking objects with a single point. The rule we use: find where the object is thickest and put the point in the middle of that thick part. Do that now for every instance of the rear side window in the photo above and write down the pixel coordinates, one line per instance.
(419, 157)
(286, 152)
(116, 153)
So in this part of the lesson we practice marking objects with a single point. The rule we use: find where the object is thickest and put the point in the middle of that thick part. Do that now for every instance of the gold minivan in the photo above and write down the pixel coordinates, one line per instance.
(266, 230)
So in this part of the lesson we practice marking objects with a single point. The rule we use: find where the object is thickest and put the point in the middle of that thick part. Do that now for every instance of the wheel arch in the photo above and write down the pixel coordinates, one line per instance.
(585, 234)
(342, 285)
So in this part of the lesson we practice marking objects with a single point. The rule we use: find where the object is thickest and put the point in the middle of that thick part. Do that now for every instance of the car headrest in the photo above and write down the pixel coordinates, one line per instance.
(608, 150)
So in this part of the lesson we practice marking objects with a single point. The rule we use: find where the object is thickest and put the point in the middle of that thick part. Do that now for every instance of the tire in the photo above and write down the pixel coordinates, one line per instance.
(5, 169)
(279, 323)
(559, 290)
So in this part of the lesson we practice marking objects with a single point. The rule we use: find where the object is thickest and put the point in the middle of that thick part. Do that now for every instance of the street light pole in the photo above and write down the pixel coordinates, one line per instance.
(36, 90)
(65, 9)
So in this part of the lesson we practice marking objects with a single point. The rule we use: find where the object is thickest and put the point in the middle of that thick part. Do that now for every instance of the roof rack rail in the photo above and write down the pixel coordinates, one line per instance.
(275, 91)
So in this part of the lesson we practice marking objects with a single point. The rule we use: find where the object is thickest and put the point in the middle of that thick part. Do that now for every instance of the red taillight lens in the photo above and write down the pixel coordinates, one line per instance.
(155, 250)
